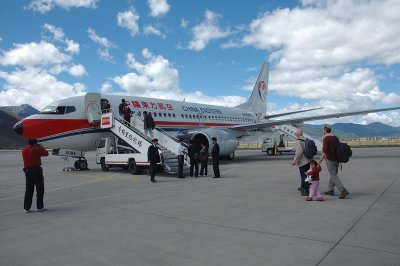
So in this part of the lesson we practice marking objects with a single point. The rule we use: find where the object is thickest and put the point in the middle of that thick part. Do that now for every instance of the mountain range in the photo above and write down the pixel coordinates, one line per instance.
(9, 115)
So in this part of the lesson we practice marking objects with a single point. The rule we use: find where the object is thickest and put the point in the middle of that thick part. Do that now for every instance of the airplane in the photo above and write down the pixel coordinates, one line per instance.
(73, 123)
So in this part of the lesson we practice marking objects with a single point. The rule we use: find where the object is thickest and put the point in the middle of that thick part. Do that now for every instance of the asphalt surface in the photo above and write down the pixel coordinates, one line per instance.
(253, 215)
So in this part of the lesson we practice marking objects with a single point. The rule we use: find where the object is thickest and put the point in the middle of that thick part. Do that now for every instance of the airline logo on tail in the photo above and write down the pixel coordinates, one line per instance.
(262, 90)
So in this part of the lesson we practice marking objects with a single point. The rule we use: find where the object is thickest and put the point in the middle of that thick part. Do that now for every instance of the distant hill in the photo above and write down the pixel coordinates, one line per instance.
(8, 138)
(21, 111)
(348, 130)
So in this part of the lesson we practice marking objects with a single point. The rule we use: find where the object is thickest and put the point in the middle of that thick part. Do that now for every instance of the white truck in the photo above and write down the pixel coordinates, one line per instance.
(272, 148)
(110, 153)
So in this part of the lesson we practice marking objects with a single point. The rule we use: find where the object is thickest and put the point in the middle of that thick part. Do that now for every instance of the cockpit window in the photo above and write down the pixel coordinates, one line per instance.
(58, 110)
(70, 109)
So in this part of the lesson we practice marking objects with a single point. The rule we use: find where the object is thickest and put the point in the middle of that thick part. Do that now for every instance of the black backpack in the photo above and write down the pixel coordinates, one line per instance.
(343, 152)
(310, 149)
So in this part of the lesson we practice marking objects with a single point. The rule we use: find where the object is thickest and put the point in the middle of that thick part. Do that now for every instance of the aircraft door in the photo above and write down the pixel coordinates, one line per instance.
(93, 110)
(202, 119)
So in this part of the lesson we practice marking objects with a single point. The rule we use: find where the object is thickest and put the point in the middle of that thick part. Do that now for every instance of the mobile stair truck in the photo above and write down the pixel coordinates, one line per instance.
(128, 146)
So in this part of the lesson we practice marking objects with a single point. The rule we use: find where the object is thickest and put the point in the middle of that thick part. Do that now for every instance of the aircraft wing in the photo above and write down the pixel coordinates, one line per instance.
(290, 113)
(271, 123)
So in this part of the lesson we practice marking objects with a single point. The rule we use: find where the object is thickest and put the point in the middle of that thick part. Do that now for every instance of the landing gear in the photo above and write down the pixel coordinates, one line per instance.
(81, 164)
(230, 157)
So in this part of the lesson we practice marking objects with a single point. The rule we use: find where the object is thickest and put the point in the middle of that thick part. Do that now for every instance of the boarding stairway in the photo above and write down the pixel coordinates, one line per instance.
(133, 134)
(290, 130)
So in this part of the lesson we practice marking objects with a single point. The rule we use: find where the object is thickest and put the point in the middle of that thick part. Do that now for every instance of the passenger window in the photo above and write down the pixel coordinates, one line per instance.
(155, 114)
(169, 114)
(165, 115)
(173, 115)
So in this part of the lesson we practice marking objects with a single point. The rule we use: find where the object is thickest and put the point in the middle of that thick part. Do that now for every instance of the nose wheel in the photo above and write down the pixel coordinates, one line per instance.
(81, 164)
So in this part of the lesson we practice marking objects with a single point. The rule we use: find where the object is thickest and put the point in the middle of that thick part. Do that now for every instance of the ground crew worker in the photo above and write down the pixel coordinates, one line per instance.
(31, 156)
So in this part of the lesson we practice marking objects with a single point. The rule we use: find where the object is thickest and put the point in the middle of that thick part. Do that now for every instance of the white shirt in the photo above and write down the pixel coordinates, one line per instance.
(180, 150)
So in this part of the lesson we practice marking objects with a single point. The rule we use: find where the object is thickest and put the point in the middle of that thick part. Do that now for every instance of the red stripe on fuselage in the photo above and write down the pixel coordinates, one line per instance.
(40, 128)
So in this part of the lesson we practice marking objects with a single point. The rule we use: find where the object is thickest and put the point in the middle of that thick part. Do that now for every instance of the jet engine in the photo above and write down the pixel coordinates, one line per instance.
(226, 139)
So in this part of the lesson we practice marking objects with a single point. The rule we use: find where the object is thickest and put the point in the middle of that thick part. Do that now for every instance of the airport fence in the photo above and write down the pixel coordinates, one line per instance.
(353, 142)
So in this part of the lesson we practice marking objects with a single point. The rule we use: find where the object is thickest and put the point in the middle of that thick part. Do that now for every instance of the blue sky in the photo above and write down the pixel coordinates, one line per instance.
(341, 55)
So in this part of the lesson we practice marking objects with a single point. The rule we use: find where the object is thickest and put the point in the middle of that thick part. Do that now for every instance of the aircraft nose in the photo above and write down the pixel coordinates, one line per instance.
(19, 128)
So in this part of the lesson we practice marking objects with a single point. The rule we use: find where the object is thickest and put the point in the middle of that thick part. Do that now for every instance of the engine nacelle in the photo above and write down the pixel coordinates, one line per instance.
(226, 139)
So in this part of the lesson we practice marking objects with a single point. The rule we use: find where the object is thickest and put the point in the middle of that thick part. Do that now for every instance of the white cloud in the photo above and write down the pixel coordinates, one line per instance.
(31, 54)
(150, 29)
(326, 52)
(106, 88)
(72, 47)
(156, 75)
(44, 6)
(77, 71)
(129, 19)
(36, 87)
(207, 31)
(184, 23)
(105, 45)
(331, 32)
(58, 35)
(158, 78)
(158, 7)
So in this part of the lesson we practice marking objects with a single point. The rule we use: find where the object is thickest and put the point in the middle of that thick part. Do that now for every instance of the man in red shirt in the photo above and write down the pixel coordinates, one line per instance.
(34, 174)
(329, 144)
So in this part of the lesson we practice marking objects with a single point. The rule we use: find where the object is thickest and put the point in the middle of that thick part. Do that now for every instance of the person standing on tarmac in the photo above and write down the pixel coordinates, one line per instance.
(215, 157)
(31, 156)
(180, 151)
(329, 144)
(193, 153)
(153, 156)
(203, 159)
(302, 162)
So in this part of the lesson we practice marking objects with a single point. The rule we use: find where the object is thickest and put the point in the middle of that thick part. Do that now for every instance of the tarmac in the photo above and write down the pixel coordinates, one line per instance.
(253, 215)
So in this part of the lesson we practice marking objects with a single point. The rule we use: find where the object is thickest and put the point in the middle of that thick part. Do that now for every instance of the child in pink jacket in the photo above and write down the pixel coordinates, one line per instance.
(314, 174)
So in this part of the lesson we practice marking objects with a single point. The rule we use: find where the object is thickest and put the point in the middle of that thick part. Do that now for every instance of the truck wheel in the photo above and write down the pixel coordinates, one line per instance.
(270, 151)
(133, 168)
(104, 167)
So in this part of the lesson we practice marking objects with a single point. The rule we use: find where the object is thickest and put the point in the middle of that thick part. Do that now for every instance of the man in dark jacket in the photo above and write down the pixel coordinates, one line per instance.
(193, 153)
(153, 156)
(34, 174)
(121, 107)
(215, 157)
(329, 144)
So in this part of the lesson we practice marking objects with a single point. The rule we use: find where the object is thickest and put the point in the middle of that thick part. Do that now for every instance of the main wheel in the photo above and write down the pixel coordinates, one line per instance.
(83, 165)
(133, 168)
(77, 165)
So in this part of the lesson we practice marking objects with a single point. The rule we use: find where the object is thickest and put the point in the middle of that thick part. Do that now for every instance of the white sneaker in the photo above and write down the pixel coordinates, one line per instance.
(26, 211)
(42, 210)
